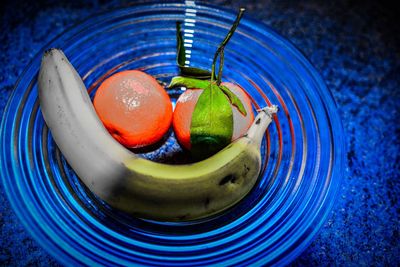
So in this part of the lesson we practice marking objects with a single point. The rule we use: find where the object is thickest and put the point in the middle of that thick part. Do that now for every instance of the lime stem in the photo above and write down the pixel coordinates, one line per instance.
(222, 46)
(221, 64)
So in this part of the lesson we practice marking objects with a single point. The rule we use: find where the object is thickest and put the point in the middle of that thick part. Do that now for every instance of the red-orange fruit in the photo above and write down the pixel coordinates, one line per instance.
(185, 106)
(134, 108)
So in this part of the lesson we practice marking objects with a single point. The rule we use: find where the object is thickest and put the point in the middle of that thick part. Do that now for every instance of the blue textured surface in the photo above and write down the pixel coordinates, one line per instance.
(356, 51)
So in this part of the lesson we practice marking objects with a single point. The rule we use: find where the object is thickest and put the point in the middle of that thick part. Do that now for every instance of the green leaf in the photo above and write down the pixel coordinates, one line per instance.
(181, 59)
(189, 83)
(234, 99)
(212, 123)
(180, 48)
(195, 73)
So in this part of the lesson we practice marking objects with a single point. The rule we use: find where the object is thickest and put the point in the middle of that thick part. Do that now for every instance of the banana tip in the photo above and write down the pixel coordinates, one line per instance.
(270, 109)
(51, 51)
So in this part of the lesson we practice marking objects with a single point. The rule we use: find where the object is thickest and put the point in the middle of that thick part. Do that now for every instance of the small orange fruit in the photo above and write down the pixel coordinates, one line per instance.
(186, 103)
(134, 108)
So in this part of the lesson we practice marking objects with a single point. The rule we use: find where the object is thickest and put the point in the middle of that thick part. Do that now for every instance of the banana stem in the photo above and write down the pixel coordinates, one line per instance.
(261, 123)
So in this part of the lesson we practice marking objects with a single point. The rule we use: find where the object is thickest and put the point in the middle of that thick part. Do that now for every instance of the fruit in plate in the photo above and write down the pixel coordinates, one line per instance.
(134, 108)
(128, 182)
(185, 106)
(210, 116)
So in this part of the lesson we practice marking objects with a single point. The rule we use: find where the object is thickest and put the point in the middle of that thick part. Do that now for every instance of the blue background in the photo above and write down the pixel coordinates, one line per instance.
(355, 47)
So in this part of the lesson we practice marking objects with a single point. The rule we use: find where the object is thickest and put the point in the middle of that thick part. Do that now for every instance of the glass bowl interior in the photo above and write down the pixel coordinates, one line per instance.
(302, 151)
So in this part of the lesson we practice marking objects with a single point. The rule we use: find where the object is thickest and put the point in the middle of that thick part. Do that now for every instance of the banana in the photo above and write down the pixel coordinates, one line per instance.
(133, 184)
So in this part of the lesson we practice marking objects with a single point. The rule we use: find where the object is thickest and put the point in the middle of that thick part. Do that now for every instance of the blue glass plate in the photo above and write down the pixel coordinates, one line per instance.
(303, 151)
